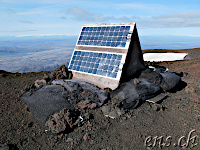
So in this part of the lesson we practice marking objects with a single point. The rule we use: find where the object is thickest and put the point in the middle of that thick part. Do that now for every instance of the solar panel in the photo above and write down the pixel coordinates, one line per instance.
(97, 63)
(100, 53)
(110, 36)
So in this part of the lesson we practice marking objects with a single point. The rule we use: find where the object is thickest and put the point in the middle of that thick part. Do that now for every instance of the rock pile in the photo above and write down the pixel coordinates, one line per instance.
(58, 102)
(81, 90)
(61, 73)
(150, 83)
(62, 121)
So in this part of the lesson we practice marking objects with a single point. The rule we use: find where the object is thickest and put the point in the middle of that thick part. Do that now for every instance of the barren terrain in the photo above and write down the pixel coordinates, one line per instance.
(172, 124)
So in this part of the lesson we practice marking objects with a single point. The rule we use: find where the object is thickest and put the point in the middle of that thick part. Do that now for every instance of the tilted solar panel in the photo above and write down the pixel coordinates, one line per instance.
(111, 36)
(97, 63)
(101, 51)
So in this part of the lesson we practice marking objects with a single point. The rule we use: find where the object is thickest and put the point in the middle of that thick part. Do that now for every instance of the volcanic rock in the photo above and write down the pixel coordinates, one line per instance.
(61, 121)
(46, 101)
(130, 94)
(39, 83)
(61, 73)
(81, 90)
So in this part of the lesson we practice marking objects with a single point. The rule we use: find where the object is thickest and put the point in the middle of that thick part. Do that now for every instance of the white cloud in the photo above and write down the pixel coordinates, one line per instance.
(172, 20)
(187, 35)
(18, 31)
(10, 11)
(25, 21)
(31, 12)
(36, 1)
(81, 14)
(192, 14)
(146, 7)
(84, 15)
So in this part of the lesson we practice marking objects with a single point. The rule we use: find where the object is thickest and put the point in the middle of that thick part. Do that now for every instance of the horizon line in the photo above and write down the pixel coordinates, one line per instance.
(46, 35)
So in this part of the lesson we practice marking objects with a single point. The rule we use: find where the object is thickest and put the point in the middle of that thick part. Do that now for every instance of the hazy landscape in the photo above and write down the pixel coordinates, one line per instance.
(34, 54)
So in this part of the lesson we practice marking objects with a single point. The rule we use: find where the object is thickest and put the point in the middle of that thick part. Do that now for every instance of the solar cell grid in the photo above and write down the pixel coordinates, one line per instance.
(112, 36)
(104, 64)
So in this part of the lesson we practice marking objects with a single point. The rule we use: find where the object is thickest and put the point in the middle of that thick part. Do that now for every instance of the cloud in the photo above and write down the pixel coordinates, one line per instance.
(25, 1)
(11, 11)
(19, 31)
(146, 7)
(192, 35)
(172, 20)
(31, 12)
(67, 2)
(81, 14)
(84, 15)
(24, 21)
(63, 17)
(193, 14)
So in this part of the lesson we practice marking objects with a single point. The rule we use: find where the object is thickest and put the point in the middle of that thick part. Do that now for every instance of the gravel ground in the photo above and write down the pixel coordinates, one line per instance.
(172, 124)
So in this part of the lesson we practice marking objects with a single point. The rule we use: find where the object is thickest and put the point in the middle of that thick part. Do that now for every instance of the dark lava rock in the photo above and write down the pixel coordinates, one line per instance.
(61, 121)
(151, 76)
(170, 81)
(165, 79)
(86, 104)
(61, 73)
(46, 101)
(112, 112)
(81, 90)
(130, 94)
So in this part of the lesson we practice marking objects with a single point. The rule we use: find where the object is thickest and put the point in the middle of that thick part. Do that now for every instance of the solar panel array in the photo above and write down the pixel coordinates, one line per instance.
(96, 63)
(111, 36)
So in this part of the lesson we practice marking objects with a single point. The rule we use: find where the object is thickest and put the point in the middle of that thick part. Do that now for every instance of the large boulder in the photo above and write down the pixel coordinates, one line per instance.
(154, 77)
(159, 77)
(46, 101)
(170, 81)
(131, 93)
(81, 90)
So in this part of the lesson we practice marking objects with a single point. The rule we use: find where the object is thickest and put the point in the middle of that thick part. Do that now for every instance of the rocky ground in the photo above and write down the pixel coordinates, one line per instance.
(171, 124)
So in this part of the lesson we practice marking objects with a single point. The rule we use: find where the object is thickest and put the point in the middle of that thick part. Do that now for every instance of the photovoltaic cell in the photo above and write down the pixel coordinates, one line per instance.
(111, 36)
(103, 64)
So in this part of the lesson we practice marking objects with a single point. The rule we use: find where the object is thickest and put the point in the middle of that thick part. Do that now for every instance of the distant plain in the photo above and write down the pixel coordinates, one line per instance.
(34, 54)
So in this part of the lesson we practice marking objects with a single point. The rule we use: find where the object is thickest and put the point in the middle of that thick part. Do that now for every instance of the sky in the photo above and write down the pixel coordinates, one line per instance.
(22, 18)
